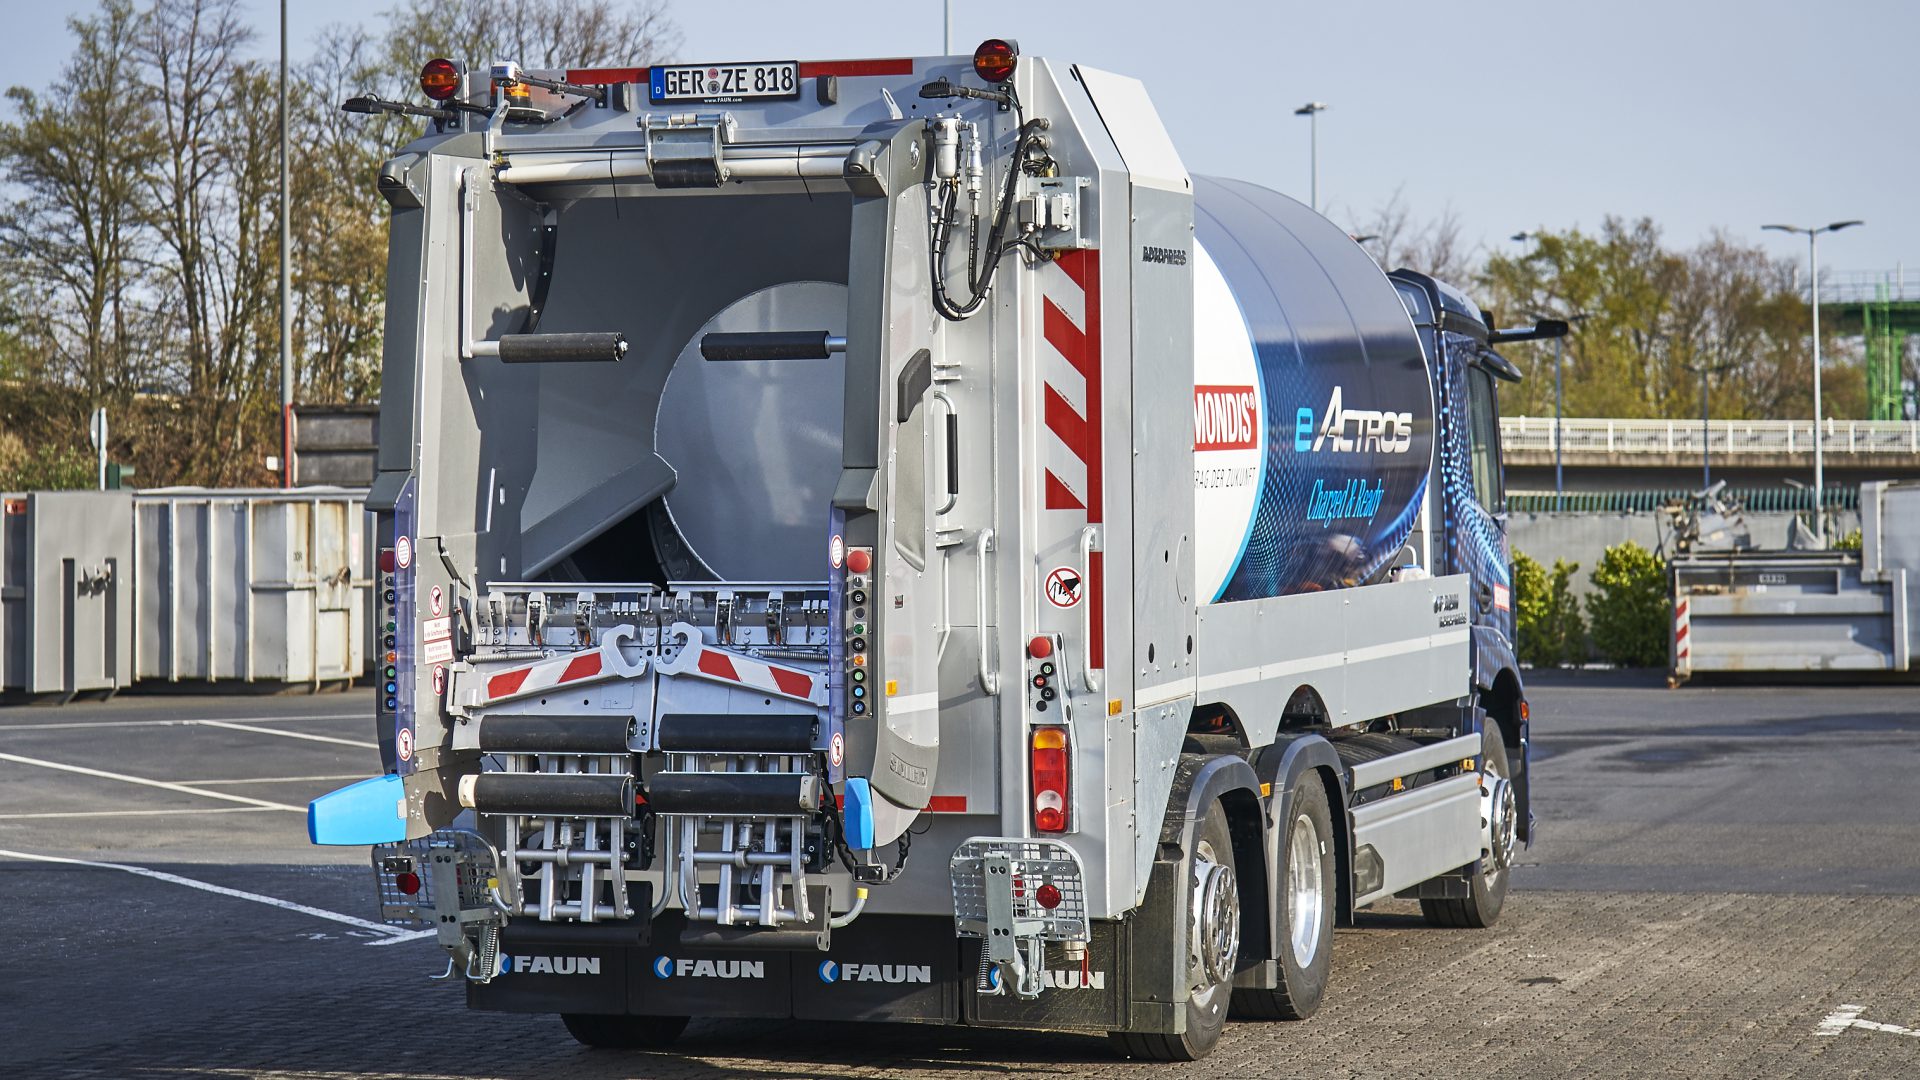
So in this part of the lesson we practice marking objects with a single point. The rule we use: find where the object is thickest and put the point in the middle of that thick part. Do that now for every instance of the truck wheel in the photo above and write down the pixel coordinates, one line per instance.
(1306, 927)
(1497, 823)
(1213, 949)
(624, 1032)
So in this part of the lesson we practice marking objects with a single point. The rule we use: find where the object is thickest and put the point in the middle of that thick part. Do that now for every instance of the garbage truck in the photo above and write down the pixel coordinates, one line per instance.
(882, 540)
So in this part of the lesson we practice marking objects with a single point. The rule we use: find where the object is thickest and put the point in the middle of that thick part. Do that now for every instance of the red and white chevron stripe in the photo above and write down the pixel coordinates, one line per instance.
(724, 665)
(1682, 644)
(1070, 371)
(581, 667)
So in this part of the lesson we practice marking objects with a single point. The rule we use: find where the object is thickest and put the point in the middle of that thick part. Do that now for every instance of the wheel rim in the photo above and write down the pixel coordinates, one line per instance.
(1215, 932)
(1306, 892)
(1498, 825)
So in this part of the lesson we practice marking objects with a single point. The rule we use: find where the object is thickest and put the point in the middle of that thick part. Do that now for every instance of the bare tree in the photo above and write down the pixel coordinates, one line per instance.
(536, 33)
(215, 187)
(1434, 247)
(72, 242)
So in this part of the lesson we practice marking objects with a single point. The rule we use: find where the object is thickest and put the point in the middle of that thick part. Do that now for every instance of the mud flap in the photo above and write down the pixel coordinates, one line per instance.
(1092, 994)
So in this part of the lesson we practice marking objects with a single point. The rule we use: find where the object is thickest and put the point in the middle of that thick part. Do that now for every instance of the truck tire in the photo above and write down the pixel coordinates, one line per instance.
(1480, 910)
(1306, 899)
(1213, 948)
(624, 1032)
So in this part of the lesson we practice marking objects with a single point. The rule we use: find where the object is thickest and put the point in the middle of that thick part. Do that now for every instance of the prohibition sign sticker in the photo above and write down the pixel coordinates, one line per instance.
(403, 552)
(1065, 586)
(403, 743)
(439, 679)
(434, 600)
(837, 750)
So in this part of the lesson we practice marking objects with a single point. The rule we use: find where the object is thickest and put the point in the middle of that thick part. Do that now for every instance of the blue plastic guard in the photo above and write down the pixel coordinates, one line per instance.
(369, 812)
(857, 814)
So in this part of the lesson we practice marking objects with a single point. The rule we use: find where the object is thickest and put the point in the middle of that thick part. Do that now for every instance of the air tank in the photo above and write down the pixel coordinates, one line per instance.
(1313, 405)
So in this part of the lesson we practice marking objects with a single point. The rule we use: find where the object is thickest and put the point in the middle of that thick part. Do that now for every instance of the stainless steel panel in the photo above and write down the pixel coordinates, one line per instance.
(1424, 832)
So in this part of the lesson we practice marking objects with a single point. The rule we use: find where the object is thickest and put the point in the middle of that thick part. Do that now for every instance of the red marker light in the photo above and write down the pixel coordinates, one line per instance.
(859, 560)
(994, 60)
(408, 882)
(439, 79)
(1047, 896)
(1040, 647)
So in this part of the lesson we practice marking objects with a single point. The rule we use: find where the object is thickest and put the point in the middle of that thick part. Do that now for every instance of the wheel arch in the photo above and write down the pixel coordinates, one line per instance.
(1505, 704)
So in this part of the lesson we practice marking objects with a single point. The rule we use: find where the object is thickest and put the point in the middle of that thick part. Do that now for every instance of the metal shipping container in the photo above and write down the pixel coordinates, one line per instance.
(66, 605)
(251, 585)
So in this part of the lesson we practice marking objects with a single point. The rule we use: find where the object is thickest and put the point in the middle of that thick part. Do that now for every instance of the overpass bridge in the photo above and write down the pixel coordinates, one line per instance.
(1601, 454)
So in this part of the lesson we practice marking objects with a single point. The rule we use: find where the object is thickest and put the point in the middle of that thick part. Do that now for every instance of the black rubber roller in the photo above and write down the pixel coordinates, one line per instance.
(746, 733)
(555, 734)
(739, 794)
(549, 794)
(767, 345)
(562, 348)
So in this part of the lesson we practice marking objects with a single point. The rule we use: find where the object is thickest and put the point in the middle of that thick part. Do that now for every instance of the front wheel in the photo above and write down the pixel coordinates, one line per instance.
(624, 1032)
(1498, 838)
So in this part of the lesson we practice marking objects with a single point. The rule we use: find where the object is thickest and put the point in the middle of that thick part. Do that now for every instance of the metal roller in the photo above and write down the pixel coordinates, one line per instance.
(561, 348)
(744, 733)
(737, 794)
(549, 794)
(555, 734)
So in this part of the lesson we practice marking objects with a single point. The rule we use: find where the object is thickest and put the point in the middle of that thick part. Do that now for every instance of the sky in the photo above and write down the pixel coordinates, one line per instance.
(1700, 114)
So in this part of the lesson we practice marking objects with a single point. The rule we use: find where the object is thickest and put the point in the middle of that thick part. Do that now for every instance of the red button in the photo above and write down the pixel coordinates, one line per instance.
(1040, 647)
(859, 560)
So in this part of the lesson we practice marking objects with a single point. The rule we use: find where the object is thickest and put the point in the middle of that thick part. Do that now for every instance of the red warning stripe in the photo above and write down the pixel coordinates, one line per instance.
(507, 683)
(584, 666)
(718, 664)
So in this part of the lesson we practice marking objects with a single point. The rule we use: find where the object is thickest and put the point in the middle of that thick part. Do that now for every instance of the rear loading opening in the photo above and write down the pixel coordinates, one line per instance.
(665, 466)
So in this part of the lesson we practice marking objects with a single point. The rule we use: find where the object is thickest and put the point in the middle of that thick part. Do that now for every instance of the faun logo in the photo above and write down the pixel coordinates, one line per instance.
(666, 967)
(832, 971)
(1067, 979)
(550, 965)
(1346, 431)
(1165, 255)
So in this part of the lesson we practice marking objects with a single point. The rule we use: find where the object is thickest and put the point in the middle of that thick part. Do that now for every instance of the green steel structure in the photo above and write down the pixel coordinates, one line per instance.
(1884, 320)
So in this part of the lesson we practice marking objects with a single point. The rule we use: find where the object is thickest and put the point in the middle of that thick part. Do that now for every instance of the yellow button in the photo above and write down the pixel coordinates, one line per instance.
(893, 686)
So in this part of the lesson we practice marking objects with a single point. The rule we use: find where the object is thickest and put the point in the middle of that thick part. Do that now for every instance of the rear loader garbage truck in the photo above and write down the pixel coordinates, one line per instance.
(881, 540)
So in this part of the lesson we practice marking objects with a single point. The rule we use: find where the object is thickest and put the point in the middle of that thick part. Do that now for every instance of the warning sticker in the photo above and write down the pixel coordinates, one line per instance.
(836, 551)
(435, 629)
(403, 552)
(438, 652)
(1064, 587)
(403, 743)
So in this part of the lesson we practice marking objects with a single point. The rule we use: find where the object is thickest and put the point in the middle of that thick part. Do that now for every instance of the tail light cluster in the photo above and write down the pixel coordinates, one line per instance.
(857, 609)
(1051, 774)
(389, 631)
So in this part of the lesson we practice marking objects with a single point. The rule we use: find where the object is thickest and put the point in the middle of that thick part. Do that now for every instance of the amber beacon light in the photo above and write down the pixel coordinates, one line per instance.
(439, 79)
(995, 59)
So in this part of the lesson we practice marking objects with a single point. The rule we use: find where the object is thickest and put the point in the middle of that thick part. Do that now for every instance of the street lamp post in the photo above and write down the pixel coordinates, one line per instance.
(1813, 292)
(286, 278)
(1312, 110)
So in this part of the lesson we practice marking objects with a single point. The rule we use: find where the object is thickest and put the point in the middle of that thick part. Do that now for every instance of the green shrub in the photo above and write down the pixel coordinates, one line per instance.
(1547, 625)
(1631, 611)
(43, 468)
(1849, 542)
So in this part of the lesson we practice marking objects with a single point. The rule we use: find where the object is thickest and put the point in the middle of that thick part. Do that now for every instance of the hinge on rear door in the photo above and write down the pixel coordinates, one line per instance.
(688, 149)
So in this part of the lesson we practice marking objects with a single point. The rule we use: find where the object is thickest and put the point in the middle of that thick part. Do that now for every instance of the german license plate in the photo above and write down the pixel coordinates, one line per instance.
(703, 83)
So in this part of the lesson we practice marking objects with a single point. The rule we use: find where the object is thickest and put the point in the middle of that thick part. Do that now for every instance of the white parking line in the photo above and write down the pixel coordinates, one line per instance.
(405, 935)
(231, 726)
(141, 813)
(272, 779)
(203, 886)
(5, 728)
(1847, 1016)
(124, 778)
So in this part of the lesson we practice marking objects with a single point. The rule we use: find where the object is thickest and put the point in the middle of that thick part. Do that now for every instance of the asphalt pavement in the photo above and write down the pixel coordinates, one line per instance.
(1725, 884)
